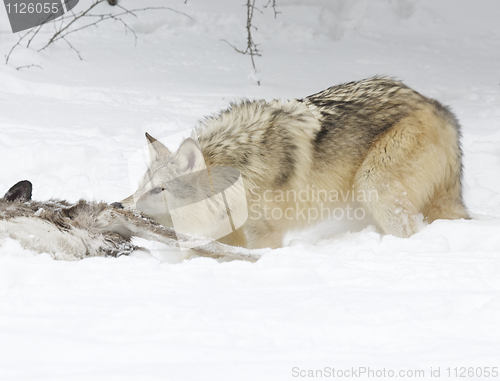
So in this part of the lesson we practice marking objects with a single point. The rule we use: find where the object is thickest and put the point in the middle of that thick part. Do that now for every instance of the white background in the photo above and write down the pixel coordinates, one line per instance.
(339, 295)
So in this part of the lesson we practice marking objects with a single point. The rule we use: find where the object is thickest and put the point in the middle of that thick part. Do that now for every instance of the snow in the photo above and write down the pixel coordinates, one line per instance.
(338, 295)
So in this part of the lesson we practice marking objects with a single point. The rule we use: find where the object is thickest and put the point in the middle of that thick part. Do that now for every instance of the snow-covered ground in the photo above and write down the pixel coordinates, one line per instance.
(337, 296)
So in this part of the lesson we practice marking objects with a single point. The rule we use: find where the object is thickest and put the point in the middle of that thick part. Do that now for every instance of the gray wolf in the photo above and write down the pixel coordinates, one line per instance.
(88, 229)
(374, 137)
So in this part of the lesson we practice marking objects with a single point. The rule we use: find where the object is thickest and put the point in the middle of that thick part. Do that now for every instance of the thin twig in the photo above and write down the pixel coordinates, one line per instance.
(13, 47)
(28, 66)
(274, 6)
(251, 48)
(35, 32)
(103, 17)
(70, 23)
(72, 47)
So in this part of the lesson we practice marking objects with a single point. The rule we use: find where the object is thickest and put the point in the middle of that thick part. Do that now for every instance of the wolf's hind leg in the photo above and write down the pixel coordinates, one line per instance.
(404, 168)
(446, 204)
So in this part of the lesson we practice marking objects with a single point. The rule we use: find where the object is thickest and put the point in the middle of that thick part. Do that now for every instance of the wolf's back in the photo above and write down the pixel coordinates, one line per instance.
(355, 114)
(269, 142)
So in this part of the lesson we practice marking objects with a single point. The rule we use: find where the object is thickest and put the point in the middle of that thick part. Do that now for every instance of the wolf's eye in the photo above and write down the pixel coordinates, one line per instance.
(156, 190)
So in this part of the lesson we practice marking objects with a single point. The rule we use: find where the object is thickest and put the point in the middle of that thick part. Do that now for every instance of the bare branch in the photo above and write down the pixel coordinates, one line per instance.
(65, 25)
(274, 6)
(7, 57)
(256, 53)
(103, 17)
(252, 48)
(72, 48)
(28, 66)
(35, 32)
(77, 16)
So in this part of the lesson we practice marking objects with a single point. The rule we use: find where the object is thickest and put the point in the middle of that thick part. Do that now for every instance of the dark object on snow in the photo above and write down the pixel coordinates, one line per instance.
(20, 192)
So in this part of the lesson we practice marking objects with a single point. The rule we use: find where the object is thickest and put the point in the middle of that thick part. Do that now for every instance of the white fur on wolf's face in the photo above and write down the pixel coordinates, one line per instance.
(154, 190)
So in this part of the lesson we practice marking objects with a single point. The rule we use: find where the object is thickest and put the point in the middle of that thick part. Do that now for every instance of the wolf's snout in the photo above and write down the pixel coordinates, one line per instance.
(117, 205)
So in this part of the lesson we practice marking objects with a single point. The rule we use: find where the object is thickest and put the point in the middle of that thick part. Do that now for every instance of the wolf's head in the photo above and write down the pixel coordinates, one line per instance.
(167, 181)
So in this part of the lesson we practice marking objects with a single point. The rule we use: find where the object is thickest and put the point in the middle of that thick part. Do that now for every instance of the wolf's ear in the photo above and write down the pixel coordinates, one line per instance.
(156, 149)
(189, 157)
(19, 192)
